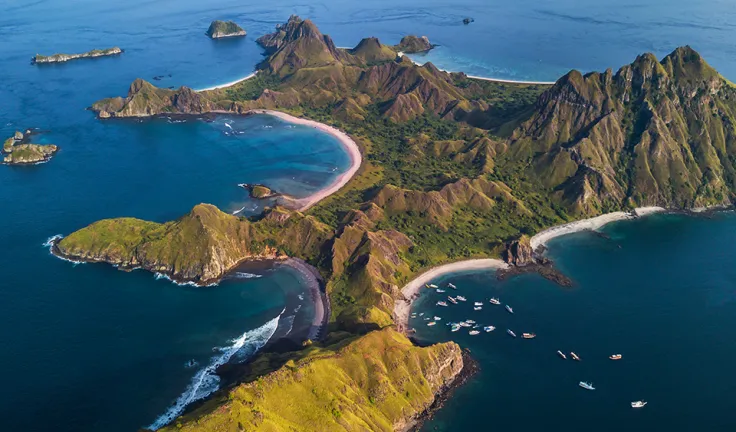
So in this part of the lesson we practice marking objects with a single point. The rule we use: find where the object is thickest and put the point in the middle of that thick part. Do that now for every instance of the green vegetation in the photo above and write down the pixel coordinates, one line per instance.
(220, 29)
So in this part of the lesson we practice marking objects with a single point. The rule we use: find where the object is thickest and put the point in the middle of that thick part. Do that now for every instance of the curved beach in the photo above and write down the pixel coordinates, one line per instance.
(410, 291)
(230, 84)
(350, 146)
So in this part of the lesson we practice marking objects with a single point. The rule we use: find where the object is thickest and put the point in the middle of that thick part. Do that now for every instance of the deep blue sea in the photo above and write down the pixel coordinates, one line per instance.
(89, 348)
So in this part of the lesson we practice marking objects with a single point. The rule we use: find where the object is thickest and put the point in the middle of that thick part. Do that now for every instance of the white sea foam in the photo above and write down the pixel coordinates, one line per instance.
(301, 296)
(238, 211)
(244, 275)
(51, 240)
(290, 323)
(228, 125)
(206, 381)
(159, 276)
(49, 243)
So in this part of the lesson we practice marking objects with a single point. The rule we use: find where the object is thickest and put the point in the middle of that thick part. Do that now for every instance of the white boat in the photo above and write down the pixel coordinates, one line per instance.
(561, 354)
(586, 386)
(455, 327)
(574, 356)
(508, 308)
(440, 290)
(528, 335)
(437, 318)
(495, 301)
(441, 303)
(452, 300)
(477, 308)
(451, 286)
(478, 304)
(470, 321)
(510, 332)
(433, 286)
(431, 323)
(489, 329)
(464, 324)
(421, 314)
(461, 298)
(638, 404)
(473, 332)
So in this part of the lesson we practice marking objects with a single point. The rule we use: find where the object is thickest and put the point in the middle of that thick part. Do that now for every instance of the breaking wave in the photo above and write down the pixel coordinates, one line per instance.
(243, 275)
(206, 381)
(49, 243)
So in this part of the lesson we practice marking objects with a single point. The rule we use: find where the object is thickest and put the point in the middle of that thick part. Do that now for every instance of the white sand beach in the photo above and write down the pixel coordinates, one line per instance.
(352, 148)
(589, 224)
(402, 307)
(232, 83)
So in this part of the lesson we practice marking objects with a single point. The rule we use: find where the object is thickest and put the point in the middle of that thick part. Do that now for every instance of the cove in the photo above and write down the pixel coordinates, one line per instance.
(659, 291)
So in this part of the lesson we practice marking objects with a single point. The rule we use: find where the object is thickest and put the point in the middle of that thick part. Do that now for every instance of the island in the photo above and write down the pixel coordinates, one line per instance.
(259, 191)
(456, 173)
(60, 58)
(413, 44)
(18, 150)
(223, 29)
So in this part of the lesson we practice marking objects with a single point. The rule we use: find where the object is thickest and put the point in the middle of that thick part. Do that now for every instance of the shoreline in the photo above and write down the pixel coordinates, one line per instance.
(591, 224)
(410, 291)
(317, 292)
(476, 77)
(356, 158)
(229, 84)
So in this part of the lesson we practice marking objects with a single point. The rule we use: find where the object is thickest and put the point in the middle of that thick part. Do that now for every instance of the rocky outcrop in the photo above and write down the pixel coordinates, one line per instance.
(468, 20)
(60, 58)
(144, 99)
(223, 29)
(378, 382)
(259, 191)
(273, 41)
(413, 44)
(17, 150)
(519, 252)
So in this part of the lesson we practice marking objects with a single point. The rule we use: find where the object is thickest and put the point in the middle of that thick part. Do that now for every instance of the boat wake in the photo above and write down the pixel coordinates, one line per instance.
(206, 381)
(244, 275)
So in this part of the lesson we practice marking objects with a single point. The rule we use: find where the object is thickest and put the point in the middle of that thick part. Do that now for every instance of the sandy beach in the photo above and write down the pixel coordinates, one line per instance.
(498, 80)
(352, 148)
(402, 307)
(319, 298)
(589, 224)
(232, 83)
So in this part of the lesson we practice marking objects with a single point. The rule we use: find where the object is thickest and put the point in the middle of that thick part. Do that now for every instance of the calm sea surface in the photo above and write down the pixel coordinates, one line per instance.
(88, 348)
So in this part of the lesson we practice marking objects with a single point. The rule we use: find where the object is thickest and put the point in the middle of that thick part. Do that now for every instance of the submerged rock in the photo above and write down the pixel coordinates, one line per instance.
(222, 29)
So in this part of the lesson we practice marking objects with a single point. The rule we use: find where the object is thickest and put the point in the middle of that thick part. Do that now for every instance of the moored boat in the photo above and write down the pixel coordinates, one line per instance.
(574, 356)
(473, 332)
(470, 321)
(433, 286)
(464, 324)
(528, 335)
(478, 304)
(509, 331)
(451, 286)
(495, 301)
(561, 354)
(615, 357)
(431, 323)
(455, 327)
(489, 329)
(441, 303)
(586, 385)
(452, 300)
(508, 308)
(436, 318)
(638, 404)
(461, 298)
(477, 308)
(440, 290)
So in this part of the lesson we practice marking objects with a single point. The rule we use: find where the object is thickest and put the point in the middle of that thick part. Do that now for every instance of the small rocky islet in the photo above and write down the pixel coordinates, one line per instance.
(60, 58)
(223, 29)
(18, 150)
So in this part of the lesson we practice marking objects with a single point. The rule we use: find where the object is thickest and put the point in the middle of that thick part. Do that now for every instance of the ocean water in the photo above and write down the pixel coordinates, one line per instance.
(660, 292)
(89, 348)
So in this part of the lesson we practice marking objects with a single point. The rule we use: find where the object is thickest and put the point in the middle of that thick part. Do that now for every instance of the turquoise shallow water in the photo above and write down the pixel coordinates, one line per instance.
(660, 292)
(89, 348)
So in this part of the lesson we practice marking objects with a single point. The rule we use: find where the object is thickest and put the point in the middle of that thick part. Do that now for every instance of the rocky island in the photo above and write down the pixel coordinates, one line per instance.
(413, 44)
(223, 29)
(60, 58)
(454, 168)
(18, 150)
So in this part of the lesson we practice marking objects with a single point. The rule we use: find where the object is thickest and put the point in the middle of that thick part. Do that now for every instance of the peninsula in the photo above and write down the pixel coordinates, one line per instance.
(60, 58)
(18, 150)
(223, 29)
(452, 168)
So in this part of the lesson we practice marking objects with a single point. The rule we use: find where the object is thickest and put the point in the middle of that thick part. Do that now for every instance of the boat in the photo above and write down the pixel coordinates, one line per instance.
(431, 323)
(510, 332)
(452, 300)
(508, 308)
(464, 324)
(478, 304)
(489, 329)
(473, 332)
(586, 386)
(451, 286)
(427, 286)
(638, 404)
(455, 327)
(528, 335)
(574, 356)
(461, 298)
(477, 308)
(470, 321)
(476, 326)
(615, 357)
(421, 314)
(437, 318)
(495, 301)
(441, 303)
(440, 290)
(561, 354)
(433, 286)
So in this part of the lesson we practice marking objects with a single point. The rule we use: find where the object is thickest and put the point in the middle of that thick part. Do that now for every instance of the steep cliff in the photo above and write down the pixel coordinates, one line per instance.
(379, 382)
(654, 133)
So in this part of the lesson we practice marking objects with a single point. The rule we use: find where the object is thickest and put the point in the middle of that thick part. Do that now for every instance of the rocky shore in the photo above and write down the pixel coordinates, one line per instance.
(18, 150)
(60, 58)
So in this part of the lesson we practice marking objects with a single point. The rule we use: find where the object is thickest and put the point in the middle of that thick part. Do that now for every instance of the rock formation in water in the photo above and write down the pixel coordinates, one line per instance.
(59, 58)
(413, 44)
(519, 252)
(17, 150)
(468, 20)
(223, 29)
